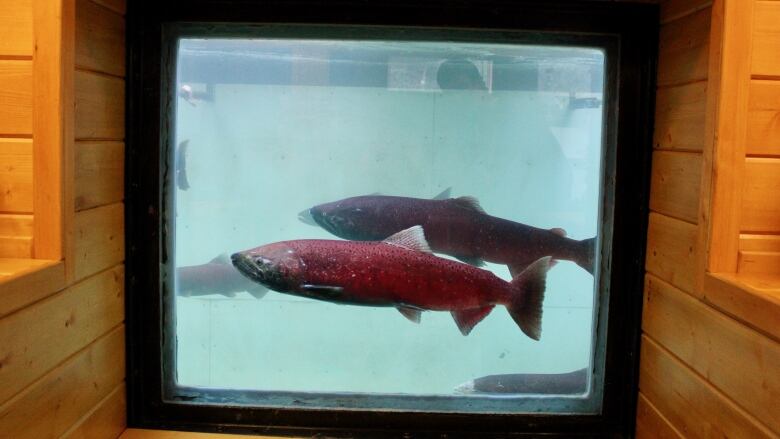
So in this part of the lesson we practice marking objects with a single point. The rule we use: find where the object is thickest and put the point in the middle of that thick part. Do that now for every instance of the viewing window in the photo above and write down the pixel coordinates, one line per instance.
(362, 221)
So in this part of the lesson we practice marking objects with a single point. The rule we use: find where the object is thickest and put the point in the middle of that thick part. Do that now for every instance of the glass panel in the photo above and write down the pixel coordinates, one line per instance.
(324, 171)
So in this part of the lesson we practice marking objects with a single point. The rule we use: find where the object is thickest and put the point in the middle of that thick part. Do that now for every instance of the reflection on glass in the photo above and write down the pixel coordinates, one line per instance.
(389, 218)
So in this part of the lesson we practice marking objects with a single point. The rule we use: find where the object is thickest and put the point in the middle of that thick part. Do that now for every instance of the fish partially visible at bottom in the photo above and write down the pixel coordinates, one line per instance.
(570, 383)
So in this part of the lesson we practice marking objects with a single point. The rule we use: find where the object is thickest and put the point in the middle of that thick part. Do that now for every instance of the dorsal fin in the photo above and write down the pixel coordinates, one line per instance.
(470, 203)
(443, 195)
(412, 238)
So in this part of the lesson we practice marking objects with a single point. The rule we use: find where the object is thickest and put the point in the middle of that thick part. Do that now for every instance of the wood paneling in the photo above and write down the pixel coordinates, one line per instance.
(671, 250)
(63, 324)
(107, 420)
(650, 423)
(16, 175)
(100, 173)
(763, 243)
(100, 38)
(16, 224)
(16, 246)
(35, 280)
(763, 132)
(766, 39)
(53, 126)
(684, 49)
(675, 9)
(727, 151)
(760, 200)
(758, 262)
(675, 181)
(16, 97)
(99, 239)
(59, 399)
(740, 362)
(100, 107)
(692, 405)
(679, 117)
(748, 298)
(16, 28)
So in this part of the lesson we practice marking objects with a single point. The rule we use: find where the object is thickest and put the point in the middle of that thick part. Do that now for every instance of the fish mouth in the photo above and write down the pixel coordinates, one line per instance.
(306, 217)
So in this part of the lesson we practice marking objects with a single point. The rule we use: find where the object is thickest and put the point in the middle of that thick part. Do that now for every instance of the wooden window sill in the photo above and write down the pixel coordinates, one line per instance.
(749, 297)
(24, 281)
(139, 433)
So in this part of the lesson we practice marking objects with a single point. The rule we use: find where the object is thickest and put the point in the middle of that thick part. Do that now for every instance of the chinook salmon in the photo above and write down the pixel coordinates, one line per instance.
(218, 276)
(398, 272)
(458, 227)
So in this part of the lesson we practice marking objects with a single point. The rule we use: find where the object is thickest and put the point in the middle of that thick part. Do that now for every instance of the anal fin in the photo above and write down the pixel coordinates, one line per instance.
(413, 314)
(466, 319)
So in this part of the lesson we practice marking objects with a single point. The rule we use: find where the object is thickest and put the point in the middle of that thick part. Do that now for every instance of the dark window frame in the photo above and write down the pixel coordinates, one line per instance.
(626, 31)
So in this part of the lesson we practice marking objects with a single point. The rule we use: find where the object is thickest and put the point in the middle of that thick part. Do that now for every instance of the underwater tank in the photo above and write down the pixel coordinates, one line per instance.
(486, 158)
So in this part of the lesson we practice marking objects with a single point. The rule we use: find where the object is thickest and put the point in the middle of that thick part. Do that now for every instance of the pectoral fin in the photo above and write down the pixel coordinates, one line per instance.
(471, 260)
(468, 318)
(325, 290)
(413, 314)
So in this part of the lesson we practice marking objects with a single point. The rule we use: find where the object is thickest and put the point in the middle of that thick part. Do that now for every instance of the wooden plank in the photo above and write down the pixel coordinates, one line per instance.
(106, 420)
(99, 239)
(140, 433)
(53, 126)
(16, 175)
(679, 117)
(676, 9)
(51, 405)
(16, 28)
(748, 298)
(16, 224)
(763, 243)
(100, 173)
(100, 38)
(37, 338)
(651, 424)
(37, 279)
(21, 266)
(766, 39)
(728, 135)
(737, 360)
(683, 49)
(763, 123)
(674, 187)
(100, 106)
(16, 97)
(16, 246)
(758, 262)
(693, 406)
(118, 6)
(671, 250)
(760, 200)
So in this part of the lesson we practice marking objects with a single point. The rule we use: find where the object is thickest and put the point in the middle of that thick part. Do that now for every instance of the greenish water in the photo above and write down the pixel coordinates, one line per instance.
(259, 153)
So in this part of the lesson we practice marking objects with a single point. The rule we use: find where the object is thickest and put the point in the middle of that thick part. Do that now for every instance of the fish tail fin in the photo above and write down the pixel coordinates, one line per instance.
(525, 303)
(586, 254)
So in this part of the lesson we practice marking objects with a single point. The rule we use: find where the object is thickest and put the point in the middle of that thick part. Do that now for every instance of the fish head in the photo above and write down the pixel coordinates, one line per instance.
(277, 266)
(353, 218)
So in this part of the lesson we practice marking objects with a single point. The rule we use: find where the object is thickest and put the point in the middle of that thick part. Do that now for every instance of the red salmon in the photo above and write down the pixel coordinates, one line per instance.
(400, 272)
(458, 227)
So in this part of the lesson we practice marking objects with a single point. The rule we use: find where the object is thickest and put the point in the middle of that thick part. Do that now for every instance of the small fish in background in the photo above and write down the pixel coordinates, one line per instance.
(458, 227)
(181, 165)
(398, 272)
(218, 276)
(570, 383)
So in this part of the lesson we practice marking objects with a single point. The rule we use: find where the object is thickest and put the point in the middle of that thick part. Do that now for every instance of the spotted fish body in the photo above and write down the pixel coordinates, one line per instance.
(455, 226)
(399, 272)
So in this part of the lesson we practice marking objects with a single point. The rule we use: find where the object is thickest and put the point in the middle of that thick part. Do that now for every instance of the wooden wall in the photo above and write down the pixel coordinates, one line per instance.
(62, 364)
(16, 195)
(710, 356)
